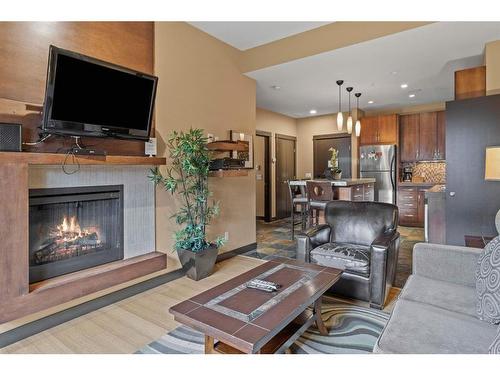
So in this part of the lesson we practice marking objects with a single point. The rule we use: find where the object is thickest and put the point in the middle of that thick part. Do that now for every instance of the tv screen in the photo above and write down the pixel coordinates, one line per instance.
(86, 96)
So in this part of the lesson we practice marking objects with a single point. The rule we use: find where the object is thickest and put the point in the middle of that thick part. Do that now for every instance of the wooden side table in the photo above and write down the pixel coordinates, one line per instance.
(477, 241)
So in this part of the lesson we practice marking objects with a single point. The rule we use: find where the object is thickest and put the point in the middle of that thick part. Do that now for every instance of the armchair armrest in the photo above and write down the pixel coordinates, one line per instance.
(454, 264)
(314, 237)
(383, 259)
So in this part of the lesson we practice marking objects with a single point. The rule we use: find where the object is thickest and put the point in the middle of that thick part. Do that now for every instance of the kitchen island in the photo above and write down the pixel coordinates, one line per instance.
(348, 189)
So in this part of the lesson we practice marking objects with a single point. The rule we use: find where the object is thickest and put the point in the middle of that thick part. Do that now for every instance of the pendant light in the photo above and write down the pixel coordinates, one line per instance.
(349, 119)
(358, 123)
(340, 118)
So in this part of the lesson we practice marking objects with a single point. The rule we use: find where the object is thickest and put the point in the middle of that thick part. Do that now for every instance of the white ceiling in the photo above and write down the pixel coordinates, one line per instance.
(245, 35)
(425, 58)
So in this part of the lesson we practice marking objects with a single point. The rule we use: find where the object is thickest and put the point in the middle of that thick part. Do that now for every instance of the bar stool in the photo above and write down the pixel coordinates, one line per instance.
(298, 197)
(319, 194)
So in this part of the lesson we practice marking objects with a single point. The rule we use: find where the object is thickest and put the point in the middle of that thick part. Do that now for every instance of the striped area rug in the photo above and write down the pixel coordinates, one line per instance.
(353, 330)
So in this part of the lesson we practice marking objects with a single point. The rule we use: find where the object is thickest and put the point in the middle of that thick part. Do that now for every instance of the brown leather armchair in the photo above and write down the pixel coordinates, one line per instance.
(360, 238)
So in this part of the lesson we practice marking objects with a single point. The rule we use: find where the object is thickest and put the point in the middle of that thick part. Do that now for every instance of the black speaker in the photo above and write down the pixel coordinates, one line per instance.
(10, 137)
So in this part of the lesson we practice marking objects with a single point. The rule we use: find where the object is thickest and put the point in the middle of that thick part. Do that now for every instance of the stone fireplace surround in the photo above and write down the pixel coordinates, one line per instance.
(20, 171)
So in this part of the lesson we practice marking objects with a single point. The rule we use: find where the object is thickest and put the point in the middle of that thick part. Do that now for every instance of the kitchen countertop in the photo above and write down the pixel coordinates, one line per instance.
(436, 189)
(340, 183)
(416, 184)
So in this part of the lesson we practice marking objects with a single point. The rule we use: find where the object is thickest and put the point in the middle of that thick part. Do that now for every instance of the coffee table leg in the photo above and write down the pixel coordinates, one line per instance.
(209, 345)
(319, 321)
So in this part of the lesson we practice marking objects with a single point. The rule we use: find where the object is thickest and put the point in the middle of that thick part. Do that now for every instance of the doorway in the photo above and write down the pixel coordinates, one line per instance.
(262, 160)
(285, 170)
(321, 153)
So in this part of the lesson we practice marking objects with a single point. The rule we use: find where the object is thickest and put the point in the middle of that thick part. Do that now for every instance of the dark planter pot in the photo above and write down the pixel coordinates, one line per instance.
(198, 265)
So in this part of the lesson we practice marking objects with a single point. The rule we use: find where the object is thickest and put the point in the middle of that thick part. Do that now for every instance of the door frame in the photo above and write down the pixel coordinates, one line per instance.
(289, 138)
(330, 136)
(267, 176)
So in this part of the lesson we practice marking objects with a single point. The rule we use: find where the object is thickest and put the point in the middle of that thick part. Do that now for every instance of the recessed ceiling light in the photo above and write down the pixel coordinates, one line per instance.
(275, 87)
(404, 85)
(313, 111)
(411, 95)
(371, 102)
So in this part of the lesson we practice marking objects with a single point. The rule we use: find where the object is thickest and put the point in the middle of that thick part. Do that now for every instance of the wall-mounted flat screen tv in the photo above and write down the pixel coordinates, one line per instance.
(85, 96)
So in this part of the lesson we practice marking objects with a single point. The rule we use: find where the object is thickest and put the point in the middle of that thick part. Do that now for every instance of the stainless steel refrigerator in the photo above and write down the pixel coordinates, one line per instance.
(379, 162)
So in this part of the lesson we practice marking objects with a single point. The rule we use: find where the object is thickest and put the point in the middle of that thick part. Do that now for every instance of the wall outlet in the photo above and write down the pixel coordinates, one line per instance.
(308, 175)
(226, 236)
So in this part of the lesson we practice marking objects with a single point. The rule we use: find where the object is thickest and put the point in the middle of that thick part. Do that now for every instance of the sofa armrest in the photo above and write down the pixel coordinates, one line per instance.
(314, 237)
(454, 264)
(383, 259)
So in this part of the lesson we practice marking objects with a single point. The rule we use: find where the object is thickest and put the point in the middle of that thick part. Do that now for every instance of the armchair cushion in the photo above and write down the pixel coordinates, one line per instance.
(348, 257)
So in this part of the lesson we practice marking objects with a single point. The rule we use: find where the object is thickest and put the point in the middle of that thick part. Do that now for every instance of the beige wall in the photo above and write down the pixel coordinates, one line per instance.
(431, 107)
(492, 62)
(201, 86)
(310, 126)
(260, 173)
(274, 123)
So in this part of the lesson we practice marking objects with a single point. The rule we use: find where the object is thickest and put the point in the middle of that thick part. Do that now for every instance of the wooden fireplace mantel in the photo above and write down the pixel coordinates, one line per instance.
(57, 159)
(19, 298)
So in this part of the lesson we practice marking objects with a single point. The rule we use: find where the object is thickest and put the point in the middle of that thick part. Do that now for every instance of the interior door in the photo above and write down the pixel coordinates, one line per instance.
(321, 156)
(260, 172)
(285, 171)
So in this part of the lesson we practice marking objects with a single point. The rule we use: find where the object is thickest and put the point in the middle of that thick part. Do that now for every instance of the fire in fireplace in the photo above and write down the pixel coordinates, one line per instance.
(74, 228)
(68, 240)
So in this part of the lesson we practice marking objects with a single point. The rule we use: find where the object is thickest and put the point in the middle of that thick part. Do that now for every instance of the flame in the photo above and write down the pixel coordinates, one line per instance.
(69, 230)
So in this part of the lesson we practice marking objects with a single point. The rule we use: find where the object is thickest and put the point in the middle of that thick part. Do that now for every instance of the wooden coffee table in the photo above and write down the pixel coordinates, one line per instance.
(245, 320)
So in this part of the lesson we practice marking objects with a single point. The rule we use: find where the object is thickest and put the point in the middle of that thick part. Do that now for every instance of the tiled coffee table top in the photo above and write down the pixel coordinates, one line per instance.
(247, 318)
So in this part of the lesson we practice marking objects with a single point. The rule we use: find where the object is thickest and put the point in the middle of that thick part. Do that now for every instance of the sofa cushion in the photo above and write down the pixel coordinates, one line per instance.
(347, 257)
(495, 346)
(488, 283)
(449, 296)
(415, 328)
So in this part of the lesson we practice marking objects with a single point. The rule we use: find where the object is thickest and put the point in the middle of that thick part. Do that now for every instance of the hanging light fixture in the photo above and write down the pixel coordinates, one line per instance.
(358, 123)
(349, 119)
(340, 118)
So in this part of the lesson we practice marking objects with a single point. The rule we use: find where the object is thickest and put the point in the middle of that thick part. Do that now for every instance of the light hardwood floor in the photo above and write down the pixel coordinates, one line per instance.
(128, 325)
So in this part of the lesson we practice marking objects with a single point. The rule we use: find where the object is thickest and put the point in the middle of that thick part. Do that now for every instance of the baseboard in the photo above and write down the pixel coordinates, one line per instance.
(37, 326)
(235, 252)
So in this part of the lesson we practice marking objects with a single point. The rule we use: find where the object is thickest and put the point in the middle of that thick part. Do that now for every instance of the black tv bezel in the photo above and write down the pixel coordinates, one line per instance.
(69, 128)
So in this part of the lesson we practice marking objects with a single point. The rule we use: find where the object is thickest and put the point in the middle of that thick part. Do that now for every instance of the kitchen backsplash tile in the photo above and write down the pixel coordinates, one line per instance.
(431, 172)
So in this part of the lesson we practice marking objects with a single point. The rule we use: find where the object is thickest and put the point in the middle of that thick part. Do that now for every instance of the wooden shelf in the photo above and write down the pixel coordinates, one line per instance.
(228, 173)
(56, 159)
(223, 146)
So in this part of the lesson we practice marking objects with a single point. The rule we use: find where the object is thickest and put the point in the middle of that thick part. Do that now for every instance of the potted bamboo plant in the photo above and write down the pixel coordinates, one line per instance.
(188, 177)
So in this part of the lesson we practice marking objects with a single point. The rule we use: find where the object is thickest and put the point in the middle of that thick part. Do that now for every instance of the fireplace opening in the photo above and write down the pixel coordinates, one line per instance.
(75, 228)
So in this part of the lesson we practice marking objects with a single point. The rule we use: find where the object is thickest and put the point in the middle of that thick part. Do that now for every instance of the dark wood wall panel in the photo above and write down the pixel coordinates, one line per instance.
(24, 48)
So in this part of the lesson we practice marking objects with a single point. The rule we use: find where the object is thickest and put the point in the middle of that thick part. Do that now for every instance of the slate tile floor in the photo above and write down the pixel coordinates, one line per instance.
(274, 240)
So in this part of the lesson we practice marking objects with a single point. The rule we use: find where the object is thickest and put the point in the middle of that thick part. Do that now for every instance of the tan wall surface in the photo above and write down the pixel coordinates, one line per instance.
(200, 86)
(431, 107)
(260, 162)
(492, 60)
(310, 126)
(275, 123)
(322, 39)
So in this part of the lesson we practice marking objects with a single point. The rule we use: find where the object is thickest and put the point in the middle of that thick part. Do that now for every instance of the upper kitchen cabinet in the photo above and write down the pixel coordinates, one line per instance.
(409, 137)
(422, 136)
(379, 130)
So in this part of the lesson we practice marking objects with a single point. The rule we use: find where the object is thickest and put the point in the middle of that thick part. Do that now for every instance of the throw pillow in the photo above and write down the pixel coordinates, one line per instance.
(495, 346)
(488, 283)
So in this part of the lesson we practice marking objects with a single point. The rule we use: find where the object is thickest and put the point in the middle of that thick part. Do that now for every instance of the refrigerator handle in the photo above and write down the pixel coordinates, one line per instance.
(391, 173)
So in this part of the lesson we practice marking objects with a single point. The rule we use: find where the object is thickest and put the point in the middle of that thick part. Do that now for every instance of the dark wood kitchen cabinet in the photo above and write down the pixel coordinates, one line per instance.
(411, 204)
(379, 130)
(409, 137)
(422, 136)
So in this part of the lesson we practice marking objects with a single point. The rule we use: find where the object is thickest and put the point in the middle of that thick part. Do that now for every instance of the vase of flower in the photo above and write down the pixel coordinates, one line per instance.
(333, 164)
